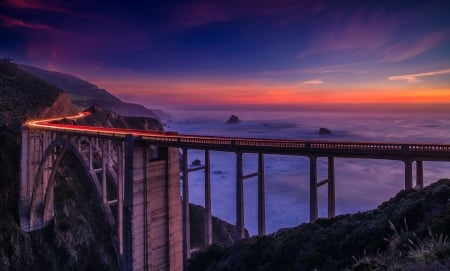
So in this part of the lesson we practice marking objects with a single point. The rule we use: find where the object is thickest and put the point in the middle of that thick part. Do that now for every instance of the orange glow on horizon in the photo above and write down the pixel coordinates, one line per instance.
(260, 93)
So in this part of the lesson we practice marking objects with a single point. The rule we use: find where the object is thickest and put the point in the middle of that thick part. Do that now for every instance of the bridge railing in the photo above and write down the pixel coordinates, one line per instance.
(284, 145)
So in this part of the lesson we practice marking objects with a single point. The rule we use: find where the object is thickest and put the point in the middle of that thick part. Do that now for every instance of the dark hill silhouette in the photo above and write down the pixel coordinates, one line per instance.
(85, 94)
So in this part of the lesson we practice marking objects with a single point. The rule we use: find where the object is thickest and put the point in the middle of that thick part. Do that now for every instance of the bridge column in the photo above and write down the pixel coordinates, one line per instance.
(25, 191)
(408, 174)
(239, 197)
(313, 203)
(261, 197)
(186, 220)
(152, 209)
(105, 154)
(208, 238)
(91, 166)
(127, 261)
(419, 174)
(120, 197)
(331, 189)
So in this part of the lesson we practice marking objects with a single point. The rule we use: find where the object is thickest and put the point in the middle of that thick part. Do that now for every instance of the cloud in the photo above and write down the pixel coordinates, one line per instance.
(407, 49)
(313, 82)
(377, 35)
(415, 78)
(32, 4)
(357, 32)
(11, 22)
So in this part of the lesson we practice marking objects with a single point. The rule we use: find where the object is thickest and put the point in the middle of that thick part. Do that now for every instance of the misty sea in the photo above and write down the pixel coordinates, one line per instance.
(361, 184)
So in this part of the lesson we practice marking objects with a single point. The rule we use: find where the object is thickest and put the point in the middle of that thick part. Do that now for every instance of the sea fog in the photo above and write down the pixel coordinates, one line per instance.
(361, 184)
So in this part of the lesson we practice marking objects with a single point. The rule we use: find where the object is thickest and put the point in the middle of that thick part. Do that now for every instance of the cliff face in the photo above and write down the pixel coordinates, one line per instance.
(395, 236)
(62, 106)
(105, 118)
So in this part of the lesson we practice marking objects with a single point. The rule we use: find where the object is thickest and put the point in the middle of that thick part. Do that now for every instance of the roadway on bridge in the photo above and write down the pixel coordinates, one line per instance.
(378, 150)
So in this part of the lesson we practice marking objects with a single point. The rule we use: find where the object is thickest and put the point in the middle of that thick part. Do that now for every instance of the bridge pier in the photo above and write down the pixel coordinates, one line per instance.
(261, 196)
(239, 197)
(408, 174)
(185, 207)
(313, 202)
(419, 174)
(331, 189)
(152, 209)
(208, 232)
(313, 185)
(240, 177)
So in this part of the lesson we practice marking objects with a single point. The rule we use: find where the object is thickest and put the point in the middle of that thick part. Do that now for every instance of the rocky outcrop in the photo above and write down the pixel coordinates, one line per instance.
(196, 163)
(224, 233)
(62, 106)
(325, 131)
(102, 117)
(233, 120)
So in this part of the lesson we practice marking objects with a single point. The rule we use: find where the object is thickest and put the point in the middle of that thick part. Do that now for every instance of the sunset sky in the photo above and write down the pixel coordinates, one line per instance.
(239, 52)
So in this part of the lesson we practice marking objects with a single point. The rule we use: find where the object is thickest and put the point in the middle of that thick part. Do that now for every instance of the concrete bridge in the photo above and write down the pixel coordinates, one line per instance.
(137, 178)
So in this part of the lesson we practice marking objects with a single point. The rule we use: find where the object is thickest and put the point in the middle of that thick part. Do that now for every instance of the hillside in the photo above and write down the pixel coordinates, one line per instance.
(395, 236)
(85, 94)
(79, 238)
(81, 245)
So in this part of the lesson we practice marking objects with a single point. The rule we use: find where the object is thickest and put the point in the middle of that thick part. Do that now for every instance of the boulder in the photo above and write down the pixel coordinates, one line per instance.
(324, 131)
(233, 119)
(196, 162)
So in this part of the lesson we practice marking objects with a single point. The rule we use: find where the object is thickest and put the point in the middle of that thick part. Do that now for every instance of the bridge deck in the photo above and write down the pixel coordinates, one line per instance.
(376, 150)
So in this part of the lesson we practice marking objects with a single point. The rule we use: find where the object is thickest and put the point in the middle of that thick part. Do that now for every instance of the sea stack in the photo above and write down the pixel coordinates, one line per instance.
(233, 119)
(324, 131)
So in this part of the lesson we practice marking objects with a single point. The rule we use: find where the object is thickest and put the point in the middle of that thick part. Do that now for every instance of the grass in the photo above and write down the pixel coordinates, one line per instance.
(408, 251)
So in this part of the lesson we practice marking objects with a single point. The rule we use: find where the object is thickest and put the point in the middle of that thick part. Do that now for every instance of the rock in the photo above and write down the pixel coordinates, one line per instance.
(233, 119)
(223, 232)
(325, 131)
(196, 162)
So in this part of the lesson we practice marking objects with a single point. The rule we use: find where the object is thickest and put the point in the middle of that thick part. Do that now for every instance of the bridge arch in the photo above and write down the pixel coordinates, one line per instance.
(41, 205)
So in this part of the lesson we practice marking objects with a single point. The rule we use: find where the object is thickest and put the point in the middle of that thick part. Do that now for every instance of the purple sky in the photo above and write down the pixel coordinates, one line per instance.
(239, 52)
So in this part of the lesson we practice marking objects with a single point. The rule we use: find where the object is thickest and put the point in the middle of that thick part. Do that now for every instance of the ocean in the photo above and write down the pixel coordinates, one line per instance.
(361, 184)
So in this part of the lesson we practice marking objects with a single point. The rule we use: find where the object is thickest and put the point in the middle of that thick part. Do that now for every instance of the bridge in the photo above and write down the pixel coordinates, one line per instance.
(136, 175)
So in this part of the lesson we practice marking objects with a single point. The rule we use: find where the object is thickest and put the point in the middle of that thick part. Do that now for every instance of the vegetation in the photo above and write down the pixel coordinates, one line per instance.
(367, 237)
(79, 239)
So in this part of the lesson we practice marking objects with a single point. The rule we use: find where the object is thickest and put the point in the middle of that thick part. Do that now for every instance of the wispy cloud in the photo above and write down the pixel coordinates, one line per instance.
(357, 33)
(313, 82)
(11, 22)
(415, 78)
(32, 4)
(354, 68)
(373, 36)
(407, 49)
